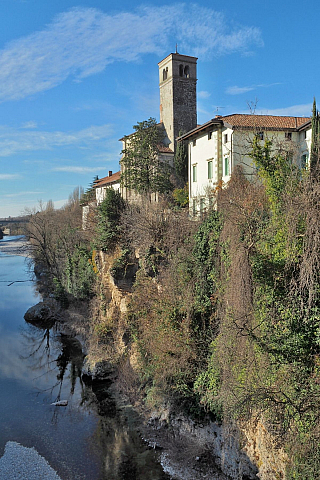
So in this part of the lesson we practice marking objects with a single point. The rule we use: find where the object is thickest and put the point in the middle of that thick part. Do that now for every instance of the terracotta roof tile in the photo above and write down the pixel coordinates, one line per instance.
(105, 180)
(264, 121)
(164, 149)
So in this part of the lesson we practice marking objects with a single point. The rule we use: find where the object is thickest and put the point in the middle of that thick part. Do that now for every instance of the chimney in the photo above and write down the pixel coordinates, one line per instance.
(110, 173)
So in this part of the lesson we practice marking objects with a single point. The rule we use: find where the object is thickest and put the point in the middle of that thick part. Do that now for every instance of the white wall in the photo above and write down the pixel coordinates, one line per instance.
(242, 146)
(234, 146)
(101, 192)
(203, 151)
(305, 145)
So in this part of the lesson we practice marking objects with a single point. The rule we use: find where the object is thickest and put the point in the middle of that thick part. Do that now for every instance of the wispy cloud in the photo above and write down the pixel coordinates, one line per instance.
(303, 110)
(9, 176)
(235, 90)
(75, 169)
(83, 41)
(29, 125)
(21, 194)
(204, 94)
(13, 141)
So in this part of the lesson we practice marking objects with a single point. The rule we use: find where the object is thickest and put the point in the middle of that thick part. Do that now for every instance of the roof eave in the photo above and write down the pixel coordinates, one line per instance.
(202, 128)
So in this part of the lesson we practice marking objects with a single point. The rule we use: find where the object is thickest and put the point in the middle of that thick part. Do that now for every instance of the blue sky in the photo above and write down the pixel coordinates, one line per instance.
(75, 76)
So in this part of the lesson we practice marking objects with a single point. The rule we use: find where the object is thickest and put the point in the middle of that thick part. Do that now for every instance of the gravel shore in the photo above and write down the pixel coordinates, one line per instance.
(14, 246)
(22, 463)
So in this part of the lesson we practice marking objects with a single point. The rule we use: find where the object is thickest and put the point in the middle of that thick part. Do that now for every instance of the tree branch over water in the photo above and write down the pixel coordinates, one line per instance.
(15, 281)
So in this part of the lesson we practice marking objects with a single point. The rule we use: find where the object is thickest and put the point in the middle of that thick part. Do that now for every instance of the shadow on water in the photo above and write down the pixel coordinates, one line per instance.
(56, 361)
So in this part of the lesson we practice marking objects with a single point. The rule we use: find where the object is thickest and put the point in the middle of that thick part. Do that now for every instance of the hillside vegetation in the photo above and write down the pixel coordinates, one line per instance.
(223, 314)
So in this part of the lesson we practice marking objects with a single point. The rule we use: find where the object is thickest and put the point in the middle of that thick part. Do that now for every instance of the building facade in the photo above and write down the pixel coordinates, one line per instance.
(100, 186)
(214, 148)
(218, 146)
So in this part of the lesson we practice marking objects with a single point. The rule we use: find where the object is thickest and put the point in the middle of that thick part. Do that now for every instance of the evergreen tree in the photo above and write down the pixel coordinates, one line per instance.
(315, 124)
(109, 213)
(89, 195)
(143, 169)
(181, 162)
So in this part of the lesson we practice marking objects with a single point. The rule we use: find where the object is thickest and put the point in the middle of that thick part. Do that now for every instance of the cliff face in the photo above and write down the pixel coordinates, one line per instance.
(190, 449)
(245, 451)
(108, 336)
(261, 448)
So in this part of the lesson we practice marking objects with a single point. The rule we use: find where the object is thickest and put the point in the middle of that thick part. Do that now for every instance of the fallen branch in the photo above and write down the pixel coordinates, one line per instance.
(15, 281)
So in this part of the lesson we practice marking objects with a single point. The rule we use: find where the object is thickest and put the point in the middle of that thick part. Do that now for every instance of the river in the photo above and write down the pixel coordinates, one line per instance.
(81, 441)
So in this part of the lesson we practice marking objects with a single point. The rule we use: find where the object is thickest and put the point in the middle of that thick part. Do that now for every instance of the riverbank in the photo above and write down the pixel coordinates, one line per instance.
(183, 455)
(20, 463)
(188, 450)
(15, 245)
(182, 452)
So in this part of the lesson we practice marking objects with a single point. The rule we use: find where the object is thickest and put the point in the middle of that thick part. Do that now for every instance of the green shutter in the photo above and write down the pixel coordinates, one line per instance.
(226, 166)
(194, 173)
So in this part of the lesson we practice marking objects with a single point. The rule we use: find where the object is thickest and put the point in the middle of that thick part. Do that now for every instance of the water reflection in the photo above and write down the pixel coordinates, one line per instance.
(59, 358)
(124, 455)
(54, 355)
(90, 438)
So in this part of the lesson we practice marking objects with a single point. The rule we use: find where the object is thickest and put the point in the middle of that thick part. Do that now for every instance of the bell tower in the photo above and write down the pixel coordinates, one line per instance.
(178, 95)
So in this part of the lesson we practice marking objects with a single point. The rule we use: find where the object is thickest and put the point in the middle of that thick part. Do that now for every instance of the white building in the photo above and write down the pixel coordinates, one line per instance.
(100, 187)
(218, 146)
(103, 184)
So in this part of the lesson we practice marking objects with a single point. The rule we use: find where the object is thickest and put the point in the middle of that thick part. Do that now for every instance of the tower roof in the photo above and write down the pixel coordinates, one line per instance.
(179, 57)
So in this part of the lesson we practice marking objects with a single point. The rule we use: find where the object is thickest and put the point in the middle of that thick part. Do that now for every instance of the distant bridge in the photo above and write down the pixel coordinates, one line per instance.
(8, 220)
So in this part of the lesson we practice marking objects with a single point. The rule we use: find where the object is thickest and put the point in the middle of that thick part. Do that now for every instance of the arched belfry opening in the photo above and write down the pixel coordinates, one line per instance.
(180, 70)
(186, 71)
(165, 74)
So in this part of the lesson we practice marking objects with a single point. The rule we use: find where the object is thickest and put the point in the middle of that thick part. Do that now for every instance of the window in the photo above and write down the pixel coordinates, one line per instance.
(210, 169)
(225, 138)
(303, 135)
(202, 205)
(194, 173)
(209, 135)
(211, 202)
(181, 70)
(260, 135)
(194, 143)
(186, 71)
(226, 167)
(288, 135)
(304, 161)
(165, 73)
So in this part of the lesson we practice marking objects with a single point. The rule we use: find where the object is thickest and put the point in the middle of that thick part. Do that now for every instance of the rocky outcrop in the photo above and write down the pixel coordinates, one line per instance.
(192, 450)
(260, 446)
(44, 314)
(200, 450)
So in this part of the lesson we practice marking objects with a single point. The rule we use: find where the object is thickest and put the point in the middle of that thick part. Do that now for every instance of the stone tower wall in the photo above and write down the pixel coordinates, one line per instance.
(178, 95)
